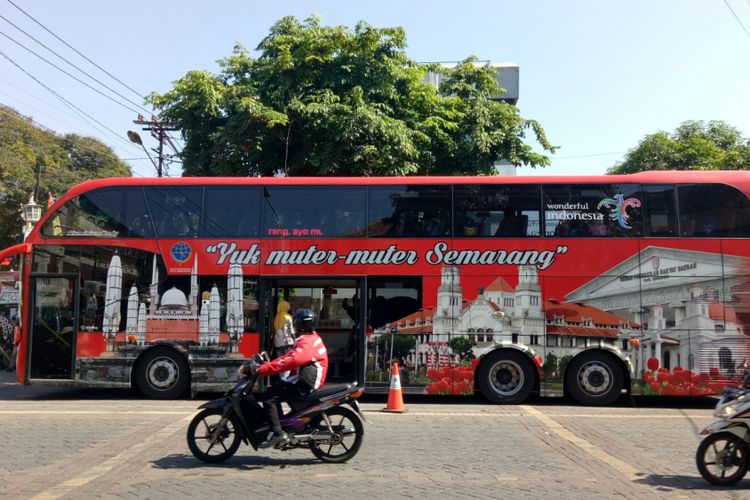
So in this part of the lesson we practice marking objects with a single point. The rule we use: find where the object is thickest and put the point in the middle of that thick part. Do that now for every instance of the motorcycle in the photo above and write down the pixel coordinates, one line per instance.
(722, 456)
(331, 431)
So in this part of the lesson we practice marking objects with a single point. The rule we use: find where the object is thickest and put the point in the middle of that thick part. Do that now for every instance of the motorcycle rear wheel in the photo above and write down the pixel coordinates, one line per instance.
(346, 439)
(722, 459)
(203, 427)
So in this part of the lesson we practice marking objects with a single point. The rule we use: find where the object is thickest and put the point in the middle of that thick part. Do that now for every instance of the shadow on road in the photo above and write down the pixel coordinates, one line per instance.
(665, 483)
(243, 462)
(11, 390)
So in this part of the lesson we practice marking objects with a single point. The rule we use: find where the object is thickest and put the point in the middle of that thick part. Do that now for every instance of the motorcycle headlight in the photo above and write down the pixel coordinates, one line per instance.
(725, 411)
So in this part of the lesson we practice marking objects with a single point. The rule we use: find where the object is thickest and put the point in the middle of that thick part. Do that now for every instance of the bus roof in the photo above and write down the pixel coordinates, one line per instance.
(739, 179)
(732, 177)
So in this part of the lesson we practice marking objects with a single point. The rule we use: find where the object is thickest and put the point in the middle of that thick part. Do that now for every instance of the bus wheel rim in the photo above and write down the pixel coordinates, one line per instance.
(595, 378)
(506, 377)
(162, 373)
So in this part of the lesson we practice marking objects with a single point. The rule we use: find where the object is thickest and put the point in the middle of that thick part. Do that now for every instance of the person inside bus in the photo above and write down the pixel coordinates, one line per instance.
(16, 343)
(309, 360)
(512, 225)
(175, 224)
(379, 312)
(283, 331)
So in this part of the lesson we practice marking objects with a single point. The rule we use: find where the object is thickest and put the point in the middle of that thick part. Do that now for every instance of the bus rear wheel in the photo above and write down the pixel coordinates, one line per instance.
(506, 377)
(594, 379)
(162, 373)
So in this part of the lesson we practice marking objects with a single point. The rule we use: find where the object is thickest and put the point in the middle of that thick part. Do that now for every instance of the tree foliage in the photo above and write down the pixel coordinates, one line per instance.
(28, 152)
(462, 346)
(322, 100)
(402, 344)
(695, 145)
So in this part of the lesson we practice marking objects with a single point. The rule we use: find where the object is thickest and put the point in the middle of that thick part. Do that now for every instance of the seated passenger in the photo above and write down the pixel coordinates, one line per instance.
(174, 224)
(512, 225)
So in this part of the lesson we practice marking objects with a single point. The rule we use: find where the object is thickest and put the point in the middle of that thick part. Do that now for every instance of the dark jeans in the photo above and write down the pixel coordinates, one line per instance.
(282, 391)
(13, 356)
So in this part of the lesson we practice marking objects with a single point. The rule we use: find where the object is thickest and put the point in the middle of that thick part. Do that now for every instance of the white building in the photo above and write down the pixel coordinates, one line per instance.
(501, 313)
(683, 298)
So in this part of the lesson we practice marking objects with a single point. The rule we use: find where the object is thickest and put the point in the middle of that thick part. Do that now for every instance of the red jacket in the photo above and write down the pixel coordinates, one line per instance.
(308, 357)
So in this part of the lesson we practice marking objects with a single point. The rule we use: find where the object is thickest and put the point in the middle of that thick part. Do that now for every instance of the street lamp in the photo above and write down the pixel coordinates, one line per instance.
(136, 139)
(31, 212)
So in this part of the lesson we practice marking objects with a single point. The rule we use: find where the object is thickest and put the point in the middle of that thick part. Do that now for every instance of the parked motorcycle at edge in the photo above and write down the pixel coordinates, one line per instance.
(331, 431)
(722, 456)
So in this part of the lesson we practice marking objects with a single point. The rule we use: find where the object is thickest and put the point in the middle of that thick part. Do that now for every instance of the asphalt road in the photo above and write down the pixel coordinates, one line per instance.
(68, 443)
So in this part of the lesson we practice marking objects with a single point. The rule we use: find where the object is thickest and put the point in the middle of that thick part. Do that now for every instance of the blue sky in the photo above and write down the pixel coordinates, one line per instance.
(599, 76)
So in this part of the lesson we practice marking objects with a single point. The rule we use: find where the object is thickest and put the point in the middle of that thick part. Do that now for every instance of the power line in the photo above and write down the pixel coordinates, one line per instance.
(72, 127)
(76, 51)
(70, 75)
(70, 104)
(76, 67)
(9, 112)
(43, 111)
(168, 138)
(46, 103)
(733, 13)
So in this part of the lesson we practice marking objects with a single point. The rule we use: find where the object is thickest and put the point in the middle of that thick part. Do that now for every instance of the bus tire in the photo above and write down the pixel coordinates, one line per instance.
(162, 373)
(594, 379)
(506, 377)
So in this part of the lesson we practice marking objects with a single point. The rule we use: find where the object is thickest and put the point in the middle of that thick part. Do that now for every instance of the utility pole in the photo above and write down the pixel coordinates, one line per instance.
(159, 132)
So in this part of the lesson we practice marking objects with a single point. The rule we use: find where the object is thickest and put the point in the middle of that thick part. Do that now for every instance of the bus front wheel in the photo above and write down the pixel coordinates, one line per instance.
(594, 379)
(506, 377)
(162, 373)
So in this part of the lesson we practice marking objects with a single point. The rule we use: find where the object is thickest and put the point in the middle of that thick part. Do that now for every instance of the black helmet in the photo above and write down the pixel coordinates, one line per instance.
(304, 320)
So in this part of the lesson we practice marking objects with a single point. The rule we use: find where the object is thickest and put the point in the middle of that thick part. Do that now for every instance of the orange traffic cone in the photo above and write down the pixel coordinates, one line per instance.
(395, 398)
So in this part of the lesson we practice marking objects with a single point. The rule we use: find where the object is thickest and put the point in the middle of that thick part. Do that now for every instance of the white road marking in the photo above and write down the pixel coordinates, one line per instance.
(624, 468)
(522, 414)
(97, 471)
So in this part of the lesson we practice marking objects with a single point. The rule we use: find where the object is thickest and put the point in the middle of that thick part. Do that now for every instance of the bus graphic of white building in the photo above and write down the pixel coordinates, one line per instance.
(502, 313)
(683, 299)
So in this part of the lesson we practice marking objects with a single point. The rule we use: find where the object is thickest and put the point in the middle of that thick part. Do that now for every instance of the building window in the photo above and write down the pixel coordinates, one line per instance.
(514, 338)
(551, 341)
(534, 301)
(725, 359)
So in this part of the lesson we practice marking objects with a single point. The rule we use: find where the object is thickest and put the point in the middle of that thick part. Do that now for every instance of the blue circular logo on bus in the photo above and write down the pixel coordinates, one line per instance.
(181, 252)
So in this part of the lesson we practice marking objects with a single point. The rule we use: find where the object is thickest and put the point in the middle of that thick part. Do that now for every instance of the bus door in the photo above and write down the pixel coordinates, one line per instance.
(53, 326)
(340, 309)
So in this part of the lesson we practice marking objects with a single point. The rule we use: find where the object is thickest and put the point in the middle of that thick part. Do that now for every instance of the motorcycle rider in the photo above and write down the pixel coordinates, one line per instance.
(310, 360)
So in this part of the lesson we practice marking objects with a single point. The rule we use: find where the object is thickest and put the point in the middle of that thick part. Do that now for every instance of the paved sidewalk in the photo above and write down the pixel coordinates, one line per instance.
(67, 443)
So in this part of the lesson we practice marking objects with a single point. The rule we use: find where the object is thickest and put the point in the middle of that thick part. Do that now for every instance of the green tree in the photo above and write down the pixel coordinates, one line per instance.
(695, 145)
(550, 364)
(322, 100)
(563, 363)
(462, 346)
(28, 152)
(402, 344)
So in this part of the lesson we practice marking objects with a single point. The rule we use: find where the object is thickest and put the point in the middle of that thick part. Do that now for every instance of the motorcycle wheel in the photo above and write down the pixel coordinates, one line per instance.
(346, 439)
(722, 459)
(205, 425)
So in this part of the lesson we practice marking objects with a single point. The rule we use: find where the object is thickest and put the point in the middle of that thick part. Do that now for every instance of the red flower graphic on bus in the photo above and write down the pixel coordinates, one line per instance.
(452, 380)
(681, 382)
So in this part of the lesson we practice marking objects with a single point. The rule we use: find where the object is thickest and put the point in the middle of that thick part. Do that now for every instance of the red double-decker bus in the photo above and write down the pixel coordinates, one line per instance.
(590, 286)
